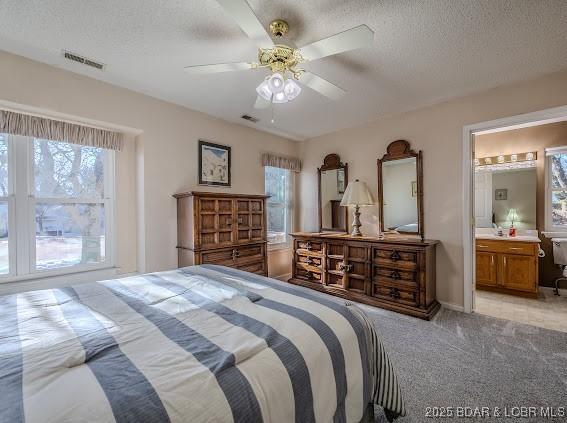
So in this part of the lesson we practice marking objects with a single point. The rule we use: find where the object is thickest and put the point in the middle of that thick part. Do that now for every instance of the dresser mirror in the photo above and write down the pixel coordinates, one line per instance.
(400, 189)
(333, 179)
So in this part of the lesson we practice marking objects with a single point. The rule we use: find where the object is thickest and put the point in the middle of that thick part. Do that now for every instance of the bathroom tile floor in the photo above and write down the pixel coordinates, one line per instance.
(549, 311)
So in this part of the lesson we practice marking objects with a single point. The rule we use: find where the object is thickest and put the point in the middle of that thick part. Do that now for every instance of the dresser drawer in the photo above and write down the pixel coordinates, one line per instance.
(508, 247)
(223, 257)
(254, 267)
(394, 274)
(396, 259)
(249, 253)
(307, 247)
(398, 292)
(307, 275)
(308, 260)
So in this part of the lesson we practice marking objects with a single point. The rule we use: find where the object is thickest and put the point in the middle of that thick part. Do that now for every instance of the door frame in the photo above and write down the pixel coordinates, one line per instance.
(555, 114)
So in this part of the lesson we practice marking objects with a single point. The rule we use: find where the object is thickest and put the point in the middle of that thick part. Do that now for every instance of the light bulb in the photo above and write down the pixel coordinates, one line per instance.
(529, 156)
(280, 97)
(514, 157)
(500, 159)
(276, 83)
(291, 89)
(264, 91)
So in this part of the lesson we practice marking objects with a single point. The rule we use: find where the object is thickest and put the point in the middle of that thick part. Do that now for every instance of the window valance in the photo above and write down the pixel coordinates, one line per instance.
(38, 127)
(289, 163)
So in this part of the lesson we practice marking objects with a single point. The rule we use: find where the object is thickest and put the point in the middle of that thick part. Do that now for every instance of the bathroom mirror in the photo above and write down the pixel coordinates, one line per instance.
(400, 189)
(505, 197)
(333, 179)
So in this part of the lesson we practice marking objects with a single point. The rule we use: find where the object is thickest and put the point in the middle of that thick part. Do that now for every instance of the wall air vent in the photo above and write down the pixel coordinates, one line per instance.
(82, 60)
(249, 118)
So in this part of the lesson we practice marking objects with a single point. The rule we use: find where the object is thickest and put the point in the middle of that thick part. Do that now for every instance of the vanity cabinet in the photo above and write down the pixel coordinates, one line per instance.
(397, 273)
(506, 266)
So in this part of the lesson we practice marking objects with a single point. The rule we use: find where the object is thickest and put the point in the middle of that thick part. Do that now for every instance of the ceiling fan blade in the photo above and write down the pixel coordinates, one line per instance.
(217, 68)
(322, 86)
(350, 39)
(261, 103)
(247, 21)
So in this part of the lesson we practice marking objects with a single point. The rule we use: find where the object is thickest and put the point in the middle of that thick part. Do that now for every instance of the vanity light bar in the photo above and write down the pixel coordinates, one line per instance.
(508, 158)
(509, 161)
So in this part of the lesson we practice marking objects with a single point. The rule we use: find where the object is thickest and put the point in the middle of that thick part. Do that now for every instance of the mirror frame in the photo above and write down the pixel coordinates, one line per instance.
(331, 162)
(397, 150)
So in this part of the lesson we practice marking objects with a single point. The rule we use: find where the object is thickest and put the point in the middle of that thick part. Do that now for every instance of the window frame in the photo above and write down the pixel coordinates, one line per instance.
(288, 207)
(549, 190)
(22, 202)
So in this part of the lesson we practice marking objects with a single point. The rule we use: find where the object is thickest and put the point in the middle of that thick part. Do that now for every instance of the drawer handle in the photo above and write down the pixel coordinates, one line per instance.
(345, 267)
(309, 275)
(395, 275)
(482, 246)
(235, 254)
(309, 260)
(395, 256)
(394, 293)
(240, 220)
(229, 221)
(308, 245)
(515, 248)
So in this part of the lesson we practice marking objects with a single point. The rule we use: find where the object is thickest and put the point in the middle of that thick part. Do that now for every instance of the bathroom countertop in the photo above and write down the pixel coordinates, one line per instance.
(524, 238)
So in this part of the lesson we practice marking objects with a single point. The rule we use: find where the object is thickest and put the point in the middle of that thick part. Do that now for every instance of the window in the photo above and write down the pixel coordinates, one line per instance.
(279, 186)
(556, 201)
(56, 202)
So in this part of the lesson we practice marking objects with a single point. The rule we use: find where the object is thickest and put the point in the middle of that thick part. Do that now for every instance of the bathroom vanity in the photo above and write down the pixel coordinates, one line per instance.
(507, 264)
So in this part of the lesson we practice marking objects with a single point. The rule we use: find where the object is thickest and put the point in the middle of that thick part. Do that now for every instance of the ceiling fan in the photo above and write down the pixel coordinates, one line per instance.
(282, 59)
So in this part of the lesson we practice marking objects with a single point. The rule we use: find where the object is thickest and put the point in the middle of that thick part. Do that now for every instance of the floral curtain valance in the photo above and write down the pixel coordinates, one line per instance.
(289, 163)
(38, 127)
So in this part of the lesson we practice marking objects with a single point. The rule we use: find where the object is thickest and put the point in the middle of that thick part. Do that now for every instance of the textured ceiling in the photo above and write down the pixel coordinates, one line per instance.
(424, 51)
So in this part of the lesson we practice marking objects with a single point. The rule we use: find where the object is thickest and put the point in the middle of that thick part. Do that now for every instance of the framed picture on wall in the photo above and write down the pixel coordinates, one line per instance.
(214, 164)
(501, 194)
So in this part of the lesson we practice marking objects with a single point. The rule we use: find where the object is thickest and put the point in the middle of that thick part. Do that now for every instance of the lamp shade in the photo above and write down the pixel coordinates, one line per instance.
(513, 216)
(357, 194)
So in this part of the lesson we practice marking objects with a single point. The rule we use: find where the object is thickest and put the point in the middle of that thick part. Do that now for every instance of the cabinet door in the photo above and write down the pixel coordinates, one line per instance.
(356, 269)
(518, 272)
(215, 217)
(249, 220)
(486, 273)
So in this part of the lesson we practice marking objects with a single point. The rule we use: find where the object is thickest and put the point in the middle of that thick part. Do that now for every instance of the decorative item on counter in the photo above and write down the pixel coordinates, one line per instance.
(500, 232)
(357, 194)
(512, 217)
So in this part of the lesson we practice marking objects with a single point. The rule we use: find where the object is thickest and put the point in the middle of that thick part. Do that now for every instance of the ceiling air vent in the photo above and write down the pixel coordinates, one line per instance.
(249, 118)
(82, 60)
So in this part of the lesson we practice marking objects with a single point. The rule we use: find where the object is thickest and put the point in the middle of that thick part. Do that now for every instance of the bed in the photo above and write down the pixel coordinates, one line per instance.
(196, 344)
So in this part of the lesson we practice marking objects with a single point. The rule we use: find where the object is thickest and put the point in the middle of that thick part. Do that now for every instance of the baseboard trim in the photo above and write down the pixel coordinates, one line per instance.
(283, 277)
(451, 306)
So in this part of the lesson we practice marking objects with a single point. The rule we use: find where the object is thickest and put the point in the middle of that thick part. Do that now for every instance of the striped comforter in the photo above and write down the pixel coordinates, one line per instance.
(197, 344)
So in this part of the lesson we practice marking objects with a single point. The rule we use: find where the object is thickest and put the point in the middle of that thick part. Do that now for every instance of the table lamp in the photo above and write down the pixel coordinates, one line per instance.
(513, 217)
(357, 194)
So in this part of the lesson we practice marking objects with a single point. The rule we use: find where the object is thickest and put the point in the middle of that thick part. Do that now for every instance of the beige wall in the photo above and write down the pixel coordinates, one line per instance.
(535, 138)
(159, 162)
(437, 130)
(521, 186)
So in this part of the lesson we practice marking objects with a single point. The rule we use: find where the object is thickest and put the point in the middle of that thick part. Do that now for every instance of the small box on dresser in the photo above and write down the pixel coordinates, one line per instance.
(395, 273)
(224, 229)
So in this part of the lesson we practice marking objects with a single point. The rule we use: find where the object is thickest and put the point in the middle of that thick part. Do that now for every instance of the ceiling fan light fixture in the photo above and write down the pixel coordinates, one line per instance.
(291, 89)
(276, 83)
(264, 90)
(280, 98)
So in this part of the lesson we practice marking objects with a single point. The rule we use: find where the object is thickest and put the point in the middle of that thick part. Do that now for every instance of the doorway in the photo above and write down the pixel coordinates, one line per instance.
(506, 188)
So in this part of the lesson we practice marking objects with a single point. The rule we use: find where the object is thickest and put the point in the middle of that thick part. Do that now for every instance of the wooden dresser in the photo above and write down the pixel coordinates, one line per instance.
(395, 273)
(510, 267)
(224, 229)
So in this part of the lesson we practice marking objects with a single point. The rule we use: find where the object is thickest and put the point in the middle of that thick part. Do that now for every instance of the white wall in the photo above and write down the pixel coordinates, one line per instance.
(159, 162)
(438, 131)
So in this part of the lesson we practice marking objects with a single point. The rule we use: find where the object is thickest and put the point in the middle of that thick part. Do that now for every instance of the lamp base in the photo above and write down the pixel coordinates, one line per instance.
(356, 222)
